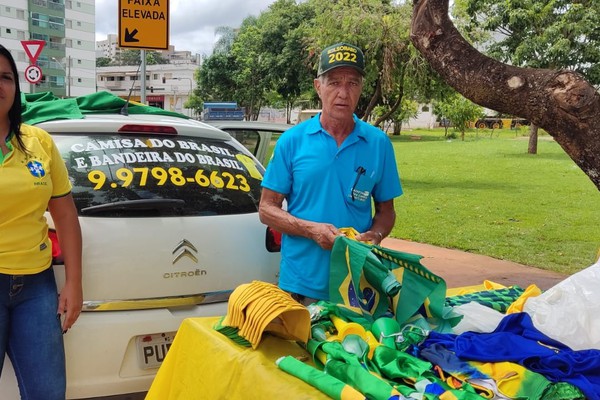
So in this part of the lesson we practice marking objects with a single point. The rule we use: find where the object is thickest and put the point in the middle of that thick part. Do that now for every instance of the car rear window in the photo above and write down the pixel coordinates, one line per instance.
(159, 175)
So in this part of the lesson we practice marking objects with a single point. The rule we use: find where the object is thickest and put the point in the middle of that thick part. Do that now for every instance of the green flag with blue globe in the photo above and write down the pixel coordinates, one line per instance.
(373, 281)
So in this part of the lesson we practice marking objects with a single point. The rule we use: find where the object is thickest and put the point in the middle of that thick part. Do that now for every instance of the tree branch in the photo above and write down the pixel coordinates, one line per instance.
(561, 102)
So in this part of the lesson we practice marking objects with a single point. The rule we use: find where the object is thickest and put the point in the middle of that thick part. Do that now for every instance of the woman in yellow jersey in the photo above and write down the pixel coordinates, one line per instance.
(33, 315)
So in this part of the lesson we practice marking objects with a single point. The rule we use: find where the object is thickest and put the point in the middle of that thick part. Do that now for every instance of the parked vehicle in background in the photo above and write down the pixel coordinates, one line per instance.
(489, 122)
(257, 136)
(223, 111)
(168, 209)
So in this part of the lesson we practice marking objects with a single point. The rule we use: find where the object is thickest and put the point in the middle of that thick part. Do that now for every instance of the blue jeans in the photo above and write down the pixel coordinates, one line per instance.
(31, 334)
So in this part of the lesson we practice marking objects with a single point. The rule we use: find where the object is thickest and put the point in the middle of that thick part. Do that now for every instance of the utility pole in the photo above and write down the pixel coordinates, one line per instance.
(67, 72)
(68, 76)
(189, 93)
(143, 77)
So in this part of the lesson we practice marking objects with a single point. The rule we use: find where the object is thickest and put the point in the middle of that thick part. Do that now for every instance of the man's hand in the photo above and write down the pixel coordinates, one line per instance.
(324, 235)
(373, 237)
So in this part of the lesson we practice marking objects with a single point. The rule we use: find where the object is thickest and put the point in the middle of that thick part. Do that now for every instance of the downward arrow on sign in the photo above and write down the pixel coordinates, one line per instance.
(130, 36)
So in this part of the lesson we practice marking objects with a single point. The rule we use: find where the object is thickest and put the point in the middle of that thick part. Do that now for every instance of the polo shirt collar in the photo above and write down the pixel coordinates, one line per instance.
(314, 126)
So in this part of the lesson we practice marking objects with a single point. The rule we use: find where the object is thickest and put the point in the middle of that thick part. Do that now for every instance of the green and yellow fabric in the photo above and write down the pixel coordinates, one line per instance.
(497, 299)
(258, 307)
(45, 106)
(327, 384)
(372, 281)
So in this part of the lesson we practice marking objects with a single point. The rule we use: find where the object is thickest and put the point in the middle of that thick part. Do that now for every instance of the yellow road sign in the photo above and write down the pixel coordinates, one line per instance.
(144, 24)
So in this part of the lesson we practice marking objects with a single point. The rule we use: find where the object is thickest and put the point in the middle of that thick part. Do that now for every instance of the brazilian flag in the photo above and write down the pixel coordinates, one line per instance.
(373, 281)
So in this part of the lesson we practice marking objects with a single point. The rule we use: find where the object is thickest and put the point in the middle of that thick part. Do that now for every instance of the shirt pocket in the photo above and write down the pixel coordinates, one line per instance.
(359, 193)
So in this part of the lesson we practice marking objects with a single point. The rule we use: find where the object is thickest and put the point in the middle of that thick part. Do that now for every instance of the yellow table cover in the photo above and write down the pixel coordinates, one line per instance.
(204, 364)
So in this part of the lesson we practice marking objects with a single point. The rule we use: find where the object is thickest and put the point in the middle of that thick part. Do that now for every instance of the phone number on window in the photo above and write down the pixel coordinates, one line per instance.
(161, 176)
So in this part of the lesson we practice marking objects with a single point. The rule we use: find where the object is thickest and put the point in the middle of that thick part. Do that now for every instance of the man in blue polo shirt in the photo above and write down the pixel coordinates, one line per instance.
(330, 170)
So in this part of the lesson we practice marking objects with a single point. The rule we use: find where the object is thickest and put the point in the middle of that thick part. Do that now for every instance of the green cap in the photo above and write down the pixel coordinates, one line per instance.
(341, 55)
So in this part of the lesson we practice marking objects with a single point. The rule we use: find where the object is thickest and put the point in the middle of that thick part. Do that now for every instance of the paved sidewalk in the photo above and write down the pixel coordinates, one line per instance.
(460, 268)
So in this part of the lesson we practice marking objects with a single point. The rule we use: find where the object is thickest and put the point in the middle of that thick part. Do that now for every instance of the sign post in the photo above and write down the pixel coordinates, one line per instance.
(33, 49)
(144, 24)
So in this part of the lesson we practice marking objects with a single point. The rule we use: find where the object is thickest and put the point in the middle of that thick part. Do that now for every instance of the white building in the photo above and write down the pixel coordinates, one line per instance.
(110, 48)
(168, 86)
(424, 119)
(68, 59)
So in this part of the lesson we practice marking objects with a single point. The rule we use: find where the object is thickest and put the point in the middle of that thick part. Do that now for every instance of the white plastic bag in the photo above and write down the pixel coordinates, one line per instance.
(476, 318)
(568, 312)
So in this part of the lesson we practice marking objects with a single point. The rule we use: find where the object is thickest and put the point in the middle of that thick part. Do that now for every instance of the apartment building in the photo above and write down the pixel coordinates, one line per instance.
(68, 60)
(168, 86)
(109, 48)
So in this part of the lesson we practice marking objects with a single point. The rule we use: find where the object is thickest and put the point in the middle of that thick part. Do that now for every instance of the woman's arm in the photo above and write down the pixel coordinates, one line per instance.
(66, 222)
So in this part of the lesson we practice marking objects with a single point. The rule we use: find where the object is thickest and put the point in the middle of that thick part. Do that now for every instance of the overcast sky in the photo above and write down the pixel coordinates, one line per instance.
(192, 22)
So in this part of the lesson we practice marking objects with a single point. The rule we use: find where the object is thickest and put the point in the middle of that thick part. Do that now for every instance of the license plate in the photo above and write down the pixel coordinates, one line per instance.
(152, 349)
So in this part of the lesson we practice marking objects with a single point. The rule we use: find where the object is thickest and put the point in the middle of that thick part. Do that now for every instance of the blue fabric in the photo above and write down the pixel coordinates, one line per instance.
(516, 339)
(318, 179)
(31, 334)
(448, 361)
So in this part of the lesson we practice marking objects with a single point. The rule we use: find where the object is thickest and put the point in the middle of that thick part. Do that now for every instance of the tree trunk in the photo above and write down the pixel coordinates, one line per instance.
(533, 139)
(397, 128)
(288, 111)
(561, 102)
(373, 102)
(390, 111)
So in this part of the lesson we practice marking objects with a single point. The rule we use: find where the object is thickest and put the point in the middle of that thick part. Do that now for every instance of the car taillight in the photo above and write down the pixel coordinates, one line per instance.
(273, 240)
(57, 257)
(139, 128)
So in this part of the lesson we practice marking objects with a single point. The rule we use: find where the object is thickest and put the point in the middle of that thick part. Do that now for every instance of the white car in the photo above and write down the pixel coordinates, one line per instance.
(169, 214)
(259, 137)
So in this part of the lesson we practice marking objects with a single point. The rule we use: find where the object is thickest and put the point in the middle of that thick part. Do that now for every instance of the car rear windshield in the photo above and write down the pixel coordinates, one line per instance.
(148, 175)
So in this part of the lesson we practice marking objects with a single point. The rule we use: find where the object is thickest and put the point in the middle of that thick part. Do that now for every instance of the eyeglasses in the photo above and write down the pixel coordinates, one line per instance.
(359, 171)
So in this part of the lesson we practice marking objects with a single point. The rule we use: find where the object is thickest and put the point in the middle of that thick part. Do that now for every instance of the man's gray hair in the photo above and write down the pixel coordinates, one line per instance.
(322, 77)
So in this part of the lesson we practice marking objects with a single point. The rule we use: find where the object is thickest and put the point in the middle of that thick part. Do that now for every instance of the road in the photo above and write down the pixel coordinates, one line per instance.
(459, 268)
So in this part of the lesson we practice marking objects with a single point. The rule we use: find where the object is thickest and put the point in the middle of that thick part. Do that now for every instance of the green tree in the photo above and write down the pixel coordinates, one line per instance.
(195, 102)
(561, 101)
(459, 111)
(407, 110)
(129, 57)
(226, 36)
(380, 28)
(154, 57)
(132, 57)
(251, 68)
(215, 78)
(278, 52)
(551, 34)
(282, 32)
(103, 61)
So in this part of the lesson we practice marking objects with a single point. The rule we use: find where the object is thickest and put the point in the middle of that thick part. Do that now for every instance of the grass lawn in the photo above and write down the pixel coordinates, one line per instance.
(486, 195)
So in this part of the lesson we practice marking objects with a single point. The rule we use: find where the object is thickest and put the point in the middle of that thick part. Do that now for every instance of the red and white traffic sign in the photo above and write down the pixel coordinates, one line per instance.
(33, 48)
(33, 74)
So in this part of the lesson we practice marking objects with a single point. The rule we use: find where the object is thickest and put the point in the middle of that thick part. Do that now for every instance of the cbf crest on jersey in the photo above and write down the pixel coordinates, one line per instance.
(36, 169)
